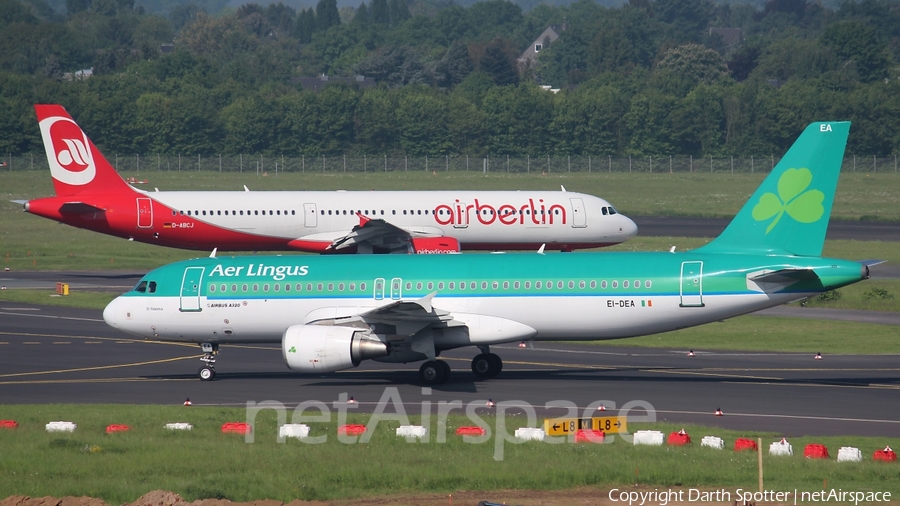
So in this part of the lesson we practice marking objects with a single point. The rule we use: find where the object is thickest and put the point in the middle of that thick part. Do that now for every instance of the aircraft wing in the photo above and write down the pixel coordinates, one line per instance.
(372, 235)
(408, 316)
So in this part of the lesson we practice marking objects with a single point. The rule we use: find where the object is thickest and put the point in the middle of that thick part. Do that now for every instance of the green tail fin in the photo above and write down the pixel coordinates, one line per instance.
(789, 211)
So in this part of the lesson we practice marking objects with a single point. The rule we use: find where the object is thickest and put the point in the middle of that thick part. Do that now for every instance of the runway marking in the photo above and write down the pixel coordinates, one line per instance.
(54, 317)
(100, 367)
(97, 380)
(62, 342)
(93, 342)
(148, 341)
(775, 415)
(20, 308)
(31, 342)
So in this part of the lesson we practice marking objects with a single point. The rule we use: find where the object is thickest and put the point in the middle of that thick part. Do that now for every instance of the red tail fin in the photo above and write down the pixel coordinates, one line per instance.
(77, 166)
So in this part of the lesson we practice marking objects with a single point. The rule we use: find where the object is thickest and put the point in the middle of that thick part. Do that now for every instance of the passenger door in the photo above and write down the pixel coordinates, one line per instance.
(190, 289)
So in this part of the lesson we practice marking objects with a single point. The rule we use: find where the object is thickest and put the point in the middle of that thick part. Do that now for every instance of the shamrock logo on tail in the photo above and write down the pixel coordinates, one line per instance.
(802, 205)
(293, 349)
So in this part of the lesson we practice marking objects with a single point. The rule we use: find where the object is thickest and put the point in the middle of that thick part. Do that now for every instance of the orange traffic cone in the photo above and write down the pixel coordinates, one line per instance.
(490, 403)
(818, 356)
(691, 353)
(522, 344)
(719, 412)
(601, 408)
(187, 402)
(352, 400)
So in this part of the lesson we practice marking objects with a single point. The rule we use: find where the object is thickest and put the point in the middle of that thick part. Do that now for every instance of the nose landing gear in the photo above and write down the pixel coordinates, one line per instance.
(208, 371)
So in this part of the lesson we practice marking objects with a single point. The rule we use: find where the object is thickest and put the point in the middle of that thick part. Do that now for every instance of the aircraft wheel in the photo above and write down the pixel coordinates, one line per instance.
(432, 373)
(482, 365)
(207, 373)
(446, 368)
(496, 364)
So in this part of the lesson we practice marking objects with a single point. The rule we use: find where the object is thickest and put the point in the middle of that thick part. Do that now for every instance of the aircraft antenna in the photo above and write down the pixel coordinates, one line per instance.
(213, 254)
(246, 189)
(541, 249)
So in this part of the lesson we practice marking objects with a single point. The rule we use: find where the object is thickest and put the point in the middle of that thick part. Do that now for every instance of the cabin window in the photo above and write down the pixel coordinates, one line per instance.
(362, 287)
(323, 212)
(494, 285)
(593, 284)
(462, 285)
(647, 284)
(637, 283)
(615, 284)
(223, 288)
(625, 284)
(419, 285)
(516, 285)
(506, 285)
(352, 286)
(330, 287)
(404, 212)
(277, 287)
(309, 287)
(550, 285)
(340, 287)
(452, 285)
(440, 285)
(212, 288)
(581, 284)
(394, 211)
(287, 287)
(538, 285)
(430, 285)
(528, 285)
(473, 285)
(233, 288)
(293, 212)
(244, 287)
(266, 287)
(255, 287)
(603, 284)
(571, 284)
(319, 287)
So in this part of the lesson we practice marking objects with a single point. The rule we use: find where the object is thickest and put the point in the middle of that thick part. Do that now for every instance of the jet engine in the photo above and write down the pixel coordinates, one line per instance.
(319, 348)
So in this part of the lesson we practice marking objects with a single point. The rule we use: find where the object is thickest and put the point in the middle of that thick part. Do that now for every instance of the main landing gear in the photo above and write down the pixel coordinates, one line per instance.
(486, 364)
(434, 372)
(208, 371)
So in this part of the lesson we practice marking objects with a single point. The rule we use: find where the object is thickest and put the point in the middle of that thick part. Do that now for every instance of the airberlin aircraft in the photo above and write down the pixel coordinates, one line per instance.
(331, 312)
(90, 194)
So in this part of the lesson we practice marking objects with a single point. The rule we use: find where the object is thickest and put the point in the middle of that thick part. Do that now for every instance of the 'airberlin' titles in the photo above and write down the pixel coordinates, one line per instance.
(505, 214)
(277, 273)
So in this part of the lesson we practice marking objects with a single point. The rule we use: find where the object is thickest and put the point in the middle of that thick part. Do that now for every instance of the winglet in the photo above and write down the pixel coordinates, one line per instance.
(213, 254)
(562, 188)
(425, 302)
(541, 249)
(363, 219)
(246, 189)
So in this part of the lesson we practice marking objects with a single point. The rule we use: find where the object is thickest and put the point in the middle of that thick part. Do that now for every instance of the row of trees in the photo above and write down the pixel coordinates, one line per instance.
(644, 78)
(608, 115)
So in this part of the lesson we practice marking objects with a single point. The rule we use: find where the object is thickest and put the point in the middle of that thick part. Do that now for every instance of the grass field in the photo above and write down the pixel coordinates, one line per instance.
(205, 463)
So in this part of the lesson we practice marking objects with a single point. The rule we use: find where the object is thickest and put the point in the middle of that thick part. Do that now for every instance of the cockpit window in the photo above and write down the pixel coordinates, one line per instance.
(605, 210)
(612, 210)
(152, 287)
(141, 286)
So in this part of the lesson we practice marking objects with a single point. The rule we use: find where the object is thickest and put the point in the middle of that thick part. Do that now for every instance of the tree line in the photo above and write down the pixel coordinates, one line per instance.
(644, 78)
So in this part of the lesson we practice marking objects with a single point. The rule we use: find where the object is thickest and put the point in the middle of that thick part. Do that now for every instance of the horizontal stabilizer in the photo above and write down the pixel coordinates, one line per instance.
(80, 208)
(773, 281)
(23, 202)
(870, 263)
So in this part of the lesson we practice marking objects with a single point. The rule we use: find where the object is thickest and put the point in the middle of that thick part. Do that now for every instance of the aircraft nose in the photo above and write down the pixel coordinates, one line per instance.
(629, 227)
(112, 313)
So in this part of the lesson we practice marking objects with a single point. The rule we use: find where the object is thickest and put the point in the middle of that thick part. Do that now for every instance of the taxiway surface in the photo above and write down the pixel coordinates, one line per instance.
(62, 355)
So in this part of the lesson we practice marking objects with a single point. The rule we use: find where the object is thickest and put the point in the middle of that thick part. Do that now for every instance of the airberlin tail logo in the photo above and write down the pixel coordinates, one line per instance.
(68, 151)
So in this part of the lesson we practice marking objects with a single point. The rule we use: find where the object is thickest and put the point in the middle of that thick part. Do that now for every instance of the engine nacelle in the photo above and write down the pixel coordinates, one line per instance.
(319, 348)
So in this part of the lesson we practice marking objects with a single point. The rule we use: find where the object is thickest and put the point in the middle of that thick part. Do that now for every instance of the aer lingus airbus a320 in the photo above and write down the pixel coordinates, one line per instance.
(331, 312)
(90, 194)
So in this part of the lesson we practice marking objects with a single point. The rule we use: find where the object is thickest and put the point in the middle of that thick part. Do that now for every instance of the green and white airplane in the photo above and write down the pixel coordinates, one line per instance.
(332, 312)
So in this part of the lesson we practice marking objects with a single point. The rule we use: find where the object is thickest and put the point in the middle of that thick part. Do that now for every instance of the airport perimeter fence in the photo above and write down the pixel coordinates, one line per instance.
(274, 165)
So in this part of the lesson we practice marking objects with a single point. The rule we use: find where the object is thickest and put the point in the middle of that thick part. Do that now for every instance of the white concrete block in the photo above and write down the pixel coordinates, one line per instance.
(849, 454)
(781, 448)
(713, 442)
(530, 434)
(416, 431)
(649, 437)
(61, 427)
(179, 426)
(297, 430)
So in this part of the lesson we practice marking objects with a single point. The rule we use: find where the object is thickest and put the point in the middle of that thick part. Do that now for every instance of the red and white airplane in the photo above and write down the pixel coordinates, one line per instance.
(91, 195)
